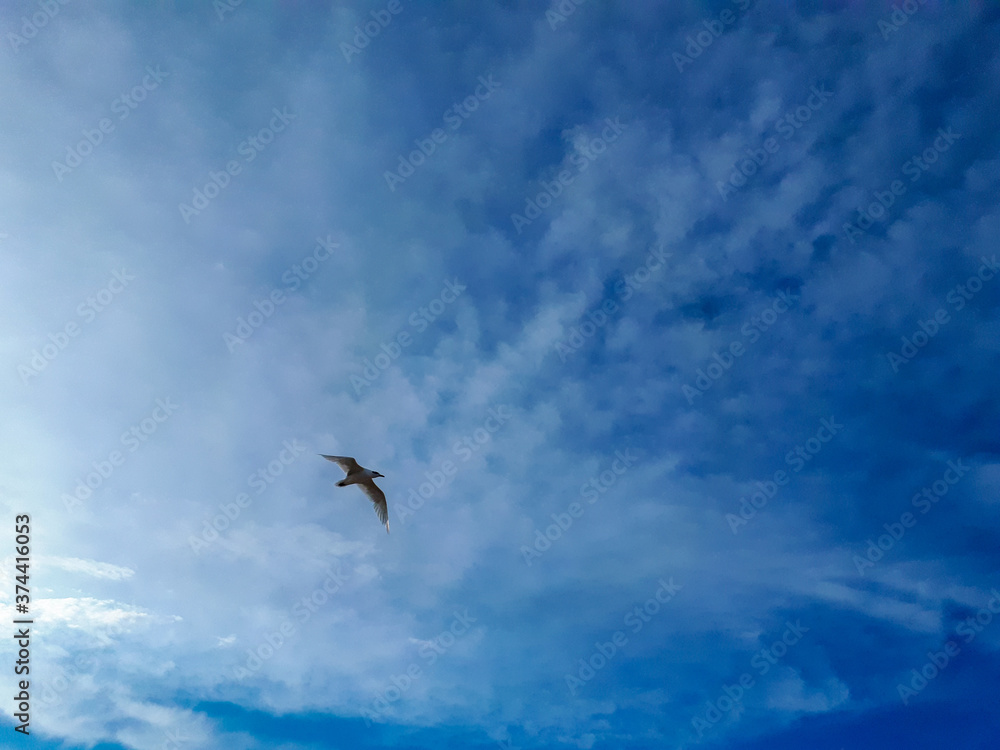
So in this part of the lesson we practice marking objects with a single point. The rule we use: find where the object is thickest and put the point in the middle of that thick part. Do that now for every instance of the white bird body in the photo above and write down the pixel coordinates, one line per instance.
(357, 477)
(364, 478)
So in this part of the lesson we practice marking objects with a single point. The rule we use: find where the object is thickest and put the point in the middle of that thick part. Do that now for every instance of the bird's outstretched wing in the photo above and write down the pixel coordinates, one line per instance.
(349, 465)
(378, 500)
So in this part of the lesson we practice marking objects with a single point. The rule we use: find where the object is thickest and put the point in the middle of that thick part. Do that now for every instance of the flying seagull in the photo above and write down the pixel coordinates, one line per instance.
(359, 475)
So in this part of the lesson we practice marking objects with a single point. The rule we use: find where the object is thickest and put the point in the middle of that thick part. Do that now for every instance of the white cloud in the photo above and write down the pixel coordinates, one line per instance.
(89, 567)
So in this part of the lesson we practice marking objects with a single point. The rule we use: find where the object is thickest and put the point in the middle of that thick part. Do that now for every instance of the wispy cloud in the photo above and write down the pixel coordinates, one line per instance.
(88, 567)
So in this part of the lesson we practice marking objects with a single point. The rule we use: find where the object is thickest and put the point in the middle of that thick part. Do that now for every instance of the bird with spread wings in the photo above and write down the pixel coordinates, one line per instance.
(364, 478)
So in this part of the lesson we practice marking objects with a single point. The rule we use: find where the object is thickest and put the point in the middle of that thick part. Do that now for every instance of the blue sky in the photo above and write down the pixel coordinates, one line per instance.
(673, 327)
